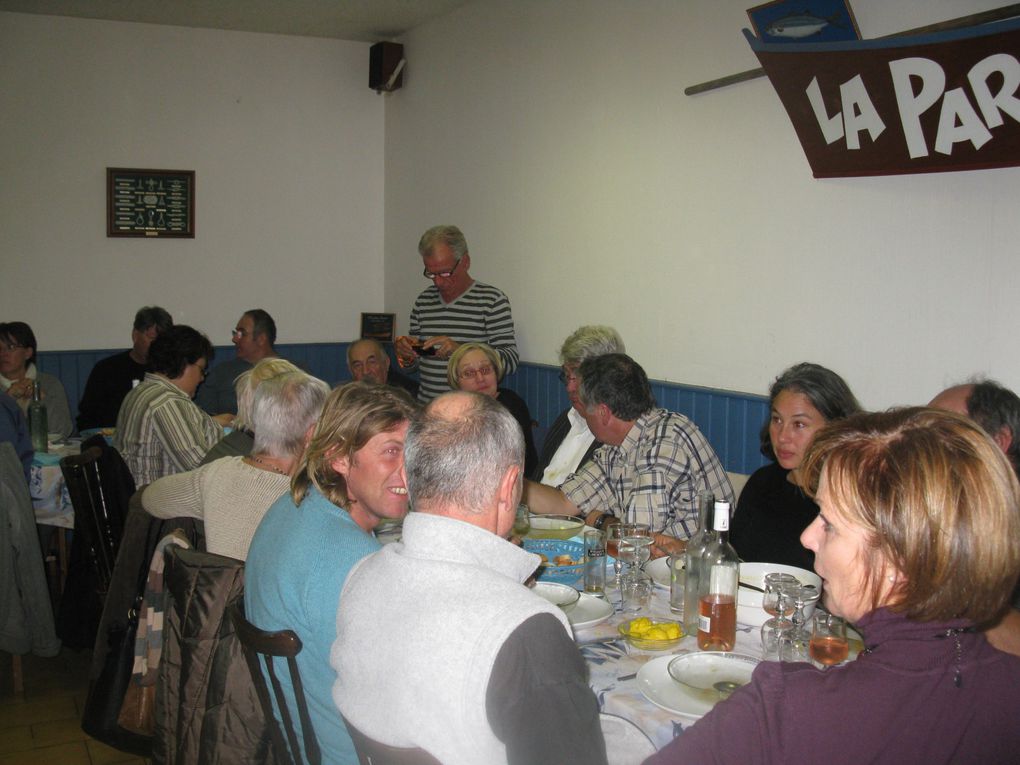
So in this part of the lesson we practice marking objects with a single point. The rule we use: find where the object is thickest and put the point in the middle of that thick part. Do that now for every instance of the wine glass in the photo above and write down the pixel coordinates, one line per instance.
(637, 542)
(777, 632)
(829, 644)
(522, 521)
(774, 584)
(802, 597)
(622, 553)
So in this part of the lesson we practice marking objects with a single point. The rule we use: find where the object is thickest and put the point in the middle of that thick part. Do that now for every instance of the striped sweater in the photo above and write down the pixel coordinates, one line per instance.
(480, 315)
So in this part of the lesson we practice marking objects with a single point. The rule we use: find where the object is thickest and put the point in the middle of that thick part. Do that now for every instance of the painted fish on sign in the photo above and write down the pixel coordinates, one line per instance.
(789, 21)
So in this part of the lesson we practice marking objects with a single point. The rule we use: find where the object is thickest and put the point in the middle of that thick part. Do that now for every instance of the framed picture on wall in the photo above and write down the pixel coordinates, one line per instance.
(804, 21)
(150, 203)
(378, 326)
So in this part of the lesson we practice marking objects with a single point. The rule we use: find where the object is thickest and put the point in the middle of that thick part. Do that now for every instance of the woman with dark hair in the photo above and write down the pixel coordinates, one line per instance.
(160, 431)
(915, 542)
(18, 372)
(773, 510)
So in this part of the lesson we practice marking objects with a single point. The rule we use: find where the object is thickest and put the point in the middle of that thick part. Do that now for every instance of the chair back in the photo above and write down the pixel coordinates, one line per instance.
(287, 645)
(372, 752)
(95, 517)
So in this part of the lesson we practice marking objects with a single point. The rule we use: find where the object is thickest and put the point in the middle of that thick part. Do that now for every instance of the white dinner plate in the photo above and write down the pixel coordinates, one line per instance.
(658, 687)
(658, 570)
(749, 610)
(588, 612)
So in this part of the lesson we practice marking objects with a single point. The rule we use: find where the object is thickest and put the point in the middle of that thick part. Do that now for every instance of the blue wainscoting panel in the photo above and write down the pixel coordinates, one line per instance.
(730, 421)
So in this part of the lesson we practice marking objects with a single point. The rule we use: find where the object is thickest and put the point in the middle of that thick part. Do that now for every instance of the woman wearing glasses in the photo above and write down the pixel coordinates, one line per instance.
(18, 372)
(477, 368)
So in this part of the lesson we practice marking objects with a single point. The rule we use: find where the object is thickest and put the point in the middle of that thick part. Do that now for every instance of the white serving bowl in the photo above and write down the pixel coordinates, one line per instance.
(749, 610)
(562, 595)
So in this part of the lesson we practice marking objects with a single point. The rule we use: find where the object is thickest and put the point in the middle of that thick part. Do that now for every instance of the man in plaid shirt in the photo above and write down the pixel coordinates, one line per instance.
(652, 466)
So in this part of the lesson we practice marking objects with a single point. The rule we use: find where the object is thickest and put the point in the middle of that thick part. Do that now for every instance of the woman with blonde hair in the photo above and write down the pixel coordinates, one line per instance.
(477, 368)
(240, 441)
(915, 542)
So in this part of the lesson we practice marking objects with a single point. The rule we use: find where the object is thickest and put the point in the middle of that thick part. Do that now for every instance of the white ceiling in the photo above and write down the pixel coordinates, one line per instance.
(364, 20)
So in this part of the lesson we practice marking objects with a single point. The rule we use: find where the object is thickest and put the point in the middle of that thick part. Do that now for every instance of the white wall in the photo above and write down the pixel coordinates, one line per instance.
(591, 189)
(286, 141)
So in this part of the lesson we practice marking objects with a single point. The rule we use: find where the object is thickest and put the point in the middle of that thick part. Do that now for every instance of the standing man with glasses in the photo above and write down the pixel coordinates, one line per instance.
(253, 338)
(455, 309)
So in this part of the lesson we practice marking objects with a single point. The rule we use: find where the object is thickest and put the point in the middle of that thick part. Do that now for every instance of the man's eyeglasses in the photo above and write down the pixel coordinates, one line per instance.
(472, 373)
(10, 346)
(440, 274)
(238, 332)
(568, 375)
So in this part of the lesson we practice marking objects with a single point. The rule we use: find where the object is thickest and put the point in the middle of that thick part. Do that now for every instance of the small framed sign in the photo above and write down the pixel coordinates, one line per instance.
(378, 326)
(150, 203)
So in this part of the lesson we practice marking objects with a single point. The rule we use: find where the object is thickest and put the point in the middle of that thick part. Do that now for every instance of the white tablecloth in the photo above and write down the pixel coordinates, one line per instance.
(46, 484)
(610, 657)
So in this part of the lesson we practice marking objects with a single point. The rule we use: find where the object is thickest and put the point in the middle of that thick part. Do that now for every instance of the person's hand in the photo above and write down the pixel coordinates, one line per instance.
(20, 389)
(405, 353)
(664, 544)
(226, 419)
(445, 346)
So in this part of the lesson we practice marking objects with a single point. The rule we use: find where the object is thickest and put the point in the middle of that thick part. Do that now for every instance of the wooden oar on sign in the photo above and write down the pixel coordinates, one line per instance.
(985, 17)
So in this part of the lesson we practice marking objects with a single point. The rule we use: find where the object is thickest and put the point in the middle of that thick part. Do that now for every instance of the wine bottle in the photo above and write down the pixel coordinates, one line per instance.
(692, 559)
(719, 579)
(38, 422)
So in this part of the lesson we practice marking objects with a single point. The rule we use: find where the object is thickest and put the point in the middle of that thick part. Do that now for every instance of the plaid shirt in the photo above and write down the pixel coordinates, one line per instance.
(654, 476)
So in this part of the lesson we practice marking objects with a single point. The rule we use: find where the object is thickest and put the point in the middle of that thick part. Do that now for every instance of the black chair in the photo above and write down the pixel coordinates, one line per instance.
(98, 518)
(372, 752)
(287, 645)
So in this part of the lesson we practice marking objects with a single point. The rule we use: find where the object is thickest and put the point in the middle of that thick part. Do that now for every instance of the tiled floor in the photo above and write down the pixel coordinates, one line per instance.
(43, 725)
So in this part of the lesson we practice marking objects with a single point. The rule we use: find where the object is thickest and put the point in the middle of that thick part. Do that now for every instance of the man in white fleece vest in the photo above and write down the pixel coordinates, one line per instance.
(440, 646)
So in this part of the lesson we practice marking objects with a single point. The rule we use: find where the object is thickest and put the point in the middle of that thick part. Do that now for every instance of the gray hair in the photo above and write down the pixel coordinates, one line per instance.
(590, 341)
(246, 383)
(451, 236)
(285, 407)
(617, 381)
(459, 458)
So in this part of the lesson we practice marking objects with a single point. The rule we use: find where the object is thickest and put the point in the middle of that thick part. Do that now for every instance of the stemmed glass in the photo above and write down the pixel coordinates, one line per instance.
(623, 552)
(775, 583)
(636, 544)
(776, 633)
(801, 635)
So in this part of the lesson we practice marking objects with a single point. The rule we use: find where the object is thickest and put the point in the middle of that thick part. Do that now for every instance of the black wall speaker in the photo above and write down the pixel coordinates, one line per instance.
(385, 60)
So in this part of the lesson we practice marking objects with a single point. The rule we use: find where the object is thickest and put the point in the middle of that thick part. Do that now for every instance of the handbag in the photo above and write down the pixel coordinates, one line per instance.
(138, 712)
(100, 718)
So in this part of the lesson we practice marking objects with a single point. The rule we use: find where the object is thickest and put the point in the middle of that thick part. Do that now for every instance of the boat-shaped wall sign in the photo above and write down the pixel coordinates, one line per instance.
(920, 104)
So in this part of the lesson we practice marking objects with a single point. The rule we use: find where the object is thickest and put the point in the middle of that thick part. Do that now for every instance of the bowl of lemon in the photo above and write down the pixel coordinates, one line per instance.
(651, 635)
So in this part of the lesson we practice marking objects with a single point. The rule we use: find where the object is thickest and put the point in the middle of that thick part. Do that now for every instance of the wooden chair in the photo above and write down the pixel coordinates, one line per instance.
(287, 645)
(99, 512)
(372, 752)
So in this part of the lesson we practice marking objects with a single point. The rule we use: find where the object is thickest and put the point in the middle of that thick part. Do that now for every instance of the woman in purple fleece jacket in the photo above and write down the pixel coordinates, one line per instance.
(917, 544)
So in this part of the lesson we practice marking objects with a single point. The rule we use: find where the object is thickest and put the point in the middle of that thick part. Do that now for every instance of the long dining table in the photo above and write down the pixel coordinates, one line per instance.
(614, 664)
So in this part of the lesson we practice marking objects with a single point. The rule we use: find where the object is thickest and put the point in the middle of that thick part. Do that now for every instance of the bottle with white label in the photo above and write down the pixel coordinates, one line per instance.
(720, 575)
